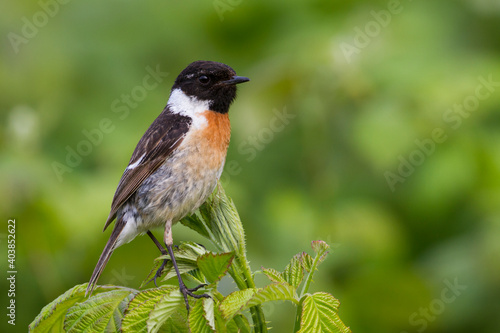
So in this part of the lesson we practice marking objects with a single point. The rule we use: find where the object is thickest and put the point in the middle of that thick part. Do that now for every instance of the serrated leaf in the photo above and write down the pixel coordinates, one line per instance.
(235, 301)
(215, 265)
(273, 275)
(243, 299)
(51, 317)
(100, 313)
(209, 311)
(293, 273)
(201, 316)
(239, 324)
(319, 314)
(152, 273)
(169, 306)
(221, 217)
(196, 275)
(186, 256)
(306, 261)
(177, 323)
(183, 266)
(195, 223)
(320, 247)
(274, 292)
(139, 308)
(189, 251)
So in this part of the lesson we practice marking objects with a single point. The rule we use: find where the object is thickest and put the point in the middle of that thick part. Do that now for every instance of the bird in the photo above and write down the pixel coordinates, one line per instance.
(176, 164)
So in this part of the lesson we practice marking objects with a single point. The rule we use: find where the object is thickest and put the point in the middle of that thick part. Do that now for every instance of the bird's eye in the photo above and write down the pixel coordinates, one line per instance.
(204, 79)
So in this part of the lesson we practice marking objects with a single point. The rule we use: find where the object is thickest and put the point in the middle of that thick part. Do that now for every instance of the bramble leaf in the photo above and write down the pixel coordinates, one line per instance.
(169, 306)
(51, 317)
(201, 316)
(193, 222)
(214, 266)
(139, 308)
(100, 313)
(321, 249)
(243, 299)
(273, 275)
(293, 273)
(306, 261)
(319, 314)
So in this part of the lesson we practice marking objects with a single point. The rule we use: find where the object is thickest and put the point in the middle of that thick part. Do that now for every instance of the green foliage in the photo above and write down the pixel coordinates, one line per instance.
(61, 314)
(137, 313)
(101, 313)
(214, 266)
(113, 309)
(319, 314)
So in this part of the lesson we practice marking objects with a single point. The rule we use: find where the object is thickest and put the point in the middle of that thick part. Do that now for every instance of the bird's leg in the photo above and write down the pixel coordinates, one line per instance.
(157, 243)
(163, 251)
(184, 290)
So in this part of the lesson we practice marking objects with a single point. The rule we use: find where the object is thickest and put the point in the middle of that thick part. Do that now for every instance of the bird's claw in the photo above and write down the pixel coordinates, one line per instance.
(185, 292)
(158, 272)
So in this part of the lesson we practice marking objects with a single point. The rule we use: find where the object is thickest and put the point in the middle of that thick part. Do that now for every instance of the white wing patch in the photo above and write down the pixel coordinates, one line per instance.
(136, 163)
(192, 107)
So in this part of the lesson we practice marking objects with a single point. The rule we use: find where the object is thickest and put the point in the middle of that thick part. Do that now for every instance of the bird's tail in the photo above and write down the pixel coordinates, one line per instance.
(105, 255)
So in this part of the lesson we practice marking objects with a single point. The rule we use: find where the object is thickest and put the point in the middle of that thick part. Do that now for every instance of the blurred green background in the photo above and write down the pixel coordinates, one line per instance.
(361, 93)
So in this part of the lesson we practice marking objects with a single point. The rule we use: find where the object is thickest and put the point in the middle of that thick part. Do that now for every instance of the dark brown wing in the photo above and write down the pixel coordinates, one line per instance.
(162, 137)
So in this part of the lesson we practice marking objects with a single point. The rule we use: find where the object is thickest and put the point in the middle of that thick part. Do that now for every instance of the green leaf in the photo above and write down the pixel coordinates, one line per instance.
(201, 316)
(274, 292)
(152, 273)
(186, 256)
(221, 218)
(243, 299)
(321, 248)
(239, 324)
(195, 223)
(100, 313)
(235, 302)
(189, 251)
(169, 306)
(214, 266)
(273, 275)
(139, 308)
(196, 275)
(319, 314)
(51, 317)
(183, 266)
(177, 323)
(293, 273)
(306, 261)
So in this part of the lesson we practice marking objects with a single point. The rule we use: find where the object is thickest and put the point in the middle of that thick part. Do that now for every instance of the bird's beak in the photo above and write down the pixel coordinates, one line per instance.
(236, 80)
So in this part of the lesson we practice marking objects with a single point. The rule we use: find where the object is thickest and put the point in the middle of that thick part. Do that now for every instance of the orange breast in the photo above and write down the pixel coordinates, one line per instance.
(211, 141)
(218, 131)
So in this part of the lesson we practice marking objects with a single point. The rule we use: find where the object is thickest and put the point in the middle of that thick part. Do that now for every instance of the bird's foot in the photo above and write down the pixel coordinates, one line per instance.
(158, 272)
(185, 292)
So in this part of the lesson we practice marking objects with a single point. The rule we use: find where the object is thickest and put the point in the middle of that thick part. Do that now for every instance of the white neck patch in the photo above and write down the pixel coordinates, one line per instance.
(182, 104)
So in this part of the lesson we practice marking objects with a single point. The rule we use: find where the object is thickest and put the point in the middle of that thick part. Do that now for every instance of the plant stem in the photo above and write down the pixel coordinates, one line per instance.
(310, 276)
(257, 315)
(298, 315)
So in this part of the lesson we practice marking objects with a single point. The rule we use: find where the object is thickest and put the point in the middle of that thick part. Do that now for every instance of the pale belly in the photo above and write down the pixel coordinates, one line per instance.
(178, 188)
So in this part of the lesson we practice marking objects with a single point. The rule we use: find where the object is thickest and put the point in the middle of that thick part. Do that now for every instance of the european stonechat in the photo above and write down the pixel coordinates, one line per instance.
(177, 162)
